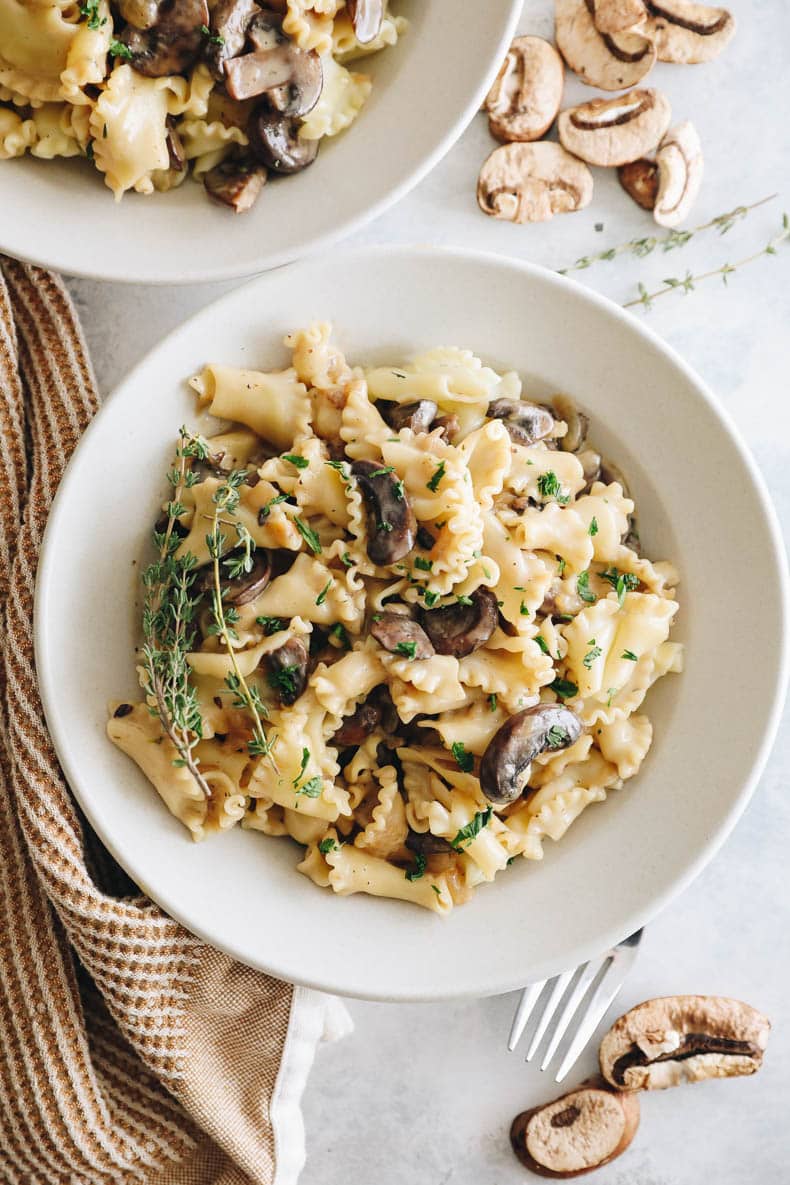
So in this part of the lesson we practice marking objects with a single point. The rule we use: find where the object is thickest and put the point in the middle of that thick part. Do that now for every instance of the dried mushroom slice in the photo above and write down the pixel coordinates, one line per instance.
(611, 61)
(576, 1133)
(687, 33)
(615, 131)
(677, 1039)
(616, 16)
(639, 179)
(527, 92)
(532, 183)
(680, 166)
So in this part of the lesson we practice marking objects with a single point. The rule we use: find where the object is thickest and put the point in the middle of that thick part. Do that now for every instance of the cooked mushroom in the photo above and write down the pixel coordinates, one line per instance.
(265, 30)
(615, 131)
(427, 844)
(357, 727)
(527, 92)
(677, 1039)
(292, 78)
(577, 422)
(418, 416)
(391, 524)
(685, 32)
(276, 143)
(526, 422)
(286, 669)
(229, 22)
(235, 182)
(401, 634)
(611, 61)
(140, 13)
(449, 426)
(175, 149)
(576, 1133)
(506, 763)
(679, 161)
(461, 628)
(366, 17)
(172, 43)
(616, 16)
(639, 179)
(532, 183)
(246, 587)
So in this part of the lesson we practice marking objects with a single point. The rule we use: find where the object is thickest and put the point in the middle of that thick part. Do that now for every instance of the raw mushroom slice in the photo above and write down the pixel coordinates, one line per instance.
(611, 61)
(391, 524)
(576, 1133)
(400, 634)
(527, 92)
(617, 16)
(506, 763)
(460, 629)
(366, 17)
(235, 182)
(677, 1039)
(680, 166)
(229, 22)
(276, 143)
(639, 179)
(526, 422)
(615, 131)
(687, 33)
(172, 43)
(532, 183)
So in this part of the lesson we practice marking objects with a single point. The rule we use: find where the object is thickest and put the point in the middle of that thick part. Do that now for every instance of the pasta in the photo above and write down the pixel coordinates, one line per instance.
(201, 91)
(392, 619)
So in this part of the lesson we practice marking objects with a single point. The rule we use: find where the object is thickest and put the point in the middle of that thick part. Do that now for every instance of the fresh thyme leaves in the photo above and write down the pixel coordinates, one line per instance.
(117, 49)
(414, 874)
(465, 761)
(668, 242)
(266, 510)
(312, 788)
(270, 625)
(407, 649)
(542, 644)
(492, 702)
(322, 595)
(295, 459)
(564, 688)
(591, 655)
(593, 527)
(472, 829)
(621, 582)
(629, 654)
(327, 845)
(90, 10)
(583, 588)
(308, 534)
(423, 564)
(283, 680)
(302, 767)
(557, 737)
(433, 484)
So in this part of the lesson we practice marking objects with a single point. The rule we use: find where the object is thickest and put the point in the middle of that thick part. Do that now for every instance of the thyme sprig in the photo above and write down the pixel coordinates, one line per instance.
(668, 242)
(688, 283)
(168, 613)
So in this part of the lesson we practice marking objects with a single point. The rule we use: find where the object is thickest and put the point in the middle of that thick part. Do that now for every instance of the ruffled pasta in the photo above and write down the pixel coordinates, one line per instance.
(342, 98)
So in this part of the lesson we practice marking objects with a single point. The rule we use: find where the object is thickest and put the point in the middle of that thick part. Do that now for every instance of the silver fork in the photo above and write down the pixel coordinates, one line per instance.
(607, 974)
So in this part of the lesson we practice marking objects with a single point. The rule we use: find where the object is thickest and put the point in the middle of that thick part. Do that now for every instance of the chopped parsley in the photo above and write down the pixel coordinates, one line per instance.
(117, 49)
(560, 566)
(312, 788)
(295, 459)
(283, 679)
(621, 582)
(214, 38)
(414, 874)
(557, 738)
(549, 487)
(302, 767)
(629, 654)
(593, 527)
(611, 692)
(90, 10)
(583, 588)
(322, 595)
(542, 644)
(407, 649)
(492, 702)
(464, 600)
(338, 631)
(437, 890)
(341, 466)
(524, 611)
(472, 829)
(564, 688)
(309, 535)
(327, 845)
(465, 761)
(266, 510)
(346, 559)
(270, 625)
(382, 472)
(423, 564)
(591, 654)
(433, 484)
(430, 598)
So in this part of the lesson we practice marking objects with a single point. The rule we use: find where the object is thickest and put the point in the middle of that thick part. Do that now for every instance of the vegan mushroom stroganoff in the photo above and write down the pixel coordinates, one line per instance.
(398, 614)
(144, 88)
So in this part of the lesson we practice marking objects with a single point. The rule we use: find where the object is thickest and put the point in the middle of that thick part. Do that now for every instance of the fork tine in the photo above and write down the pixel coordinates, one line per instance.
(560, 984)
(529, 998)
(588, 974)
(596, 1010)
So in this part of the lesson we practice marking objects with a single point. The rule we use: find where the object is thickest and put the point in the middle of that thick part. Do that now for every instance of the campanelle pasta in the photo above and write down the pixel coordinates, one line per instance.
(230, 92)
(394, 618)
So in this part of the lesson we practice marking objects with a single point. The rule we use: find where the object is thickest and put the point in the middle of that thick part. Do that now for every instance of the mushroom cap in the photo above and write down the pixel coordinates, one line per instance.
(639, 179)
(526, 95)
(687, 33)
(616, 16)
(418, 415)
(615, 131)
(401, 634)
(505, 765)
(235, 182)
(532, 182)
(391, 523)
(526, 422)
(676, 1039)
(172, 43)
(680, 167)
(229, 21)
(459, 629)
(611, 61)
(276, 143)
(576, 1133)
(366, 17)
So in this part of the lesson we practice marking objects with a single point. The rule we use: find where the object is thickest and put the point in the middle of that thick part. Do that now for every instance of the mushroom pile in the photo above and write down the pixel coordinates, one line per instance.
(612, 45)
(657, 1044)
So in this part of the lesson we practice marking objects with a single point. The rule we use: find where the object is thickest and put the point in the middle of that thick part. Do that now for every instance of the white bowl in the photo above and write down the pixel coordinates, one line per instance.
(700, 501)
(426, 89)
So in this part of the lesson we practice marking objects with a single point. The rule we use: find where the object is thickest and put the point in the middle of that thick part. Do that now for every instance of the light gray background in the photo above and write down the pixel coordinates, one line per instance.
(425, 1093)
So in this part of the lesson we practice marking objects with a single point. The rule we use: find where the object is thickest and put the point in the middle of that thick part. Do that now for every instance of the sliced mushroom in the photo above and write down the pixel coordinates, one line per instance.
(391, 524)
(532, 183)
(357, 727)
(418, 416)
(680, 166)
(400, 634)
(366, 17)
(527, 92)
(175, 149)
(292, 77)
(229, 22)
(172, 43)
(265, 30)
(639, 179)
(287, 669)
(617, 16)
(576, 1133)
(687, 33)
(276, 143)
(236, 182)
(577, 422)
(677, 1039)
(140, 13)
(246, 587)
(427, 844)
(526, 422)
(460, 629)
(449, 426)
(506, 763)
(615, 131)
(611, 61)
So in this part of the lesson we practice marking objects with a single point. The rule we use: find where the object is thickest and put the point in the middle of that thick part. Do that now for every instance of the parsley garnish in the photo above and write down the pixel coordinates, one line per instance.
(309, 535)
(295, 459)
(621, 582)
(592, 654)
(542, 643)
(407, 649)
(430, 598)
(629, 654)
(492, 702)
(549, 487)
(465, 761)
(464, 600)
(90, 9)
(117, 49)
(322, 595)
(311, 788)
(560, 566)
(557, 738)
(414, 874)
(437, 890)
(583, 588)
(266, 510)
(327, 845)
(214, 38)
(433, 484)
(382, 472)
(524, 611)
(346, 559)
(283, 679)
(270, 625)
(564, 688)
(423, 564)
(593, 527)
(339, 631)
(611, 692)
(472, 829)
(302, 767)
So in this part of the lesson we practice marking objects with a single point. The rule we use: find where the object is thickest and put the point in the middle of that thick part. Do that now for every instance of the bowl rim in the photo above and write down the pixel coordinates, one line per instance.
(483, 985)
(311, 245)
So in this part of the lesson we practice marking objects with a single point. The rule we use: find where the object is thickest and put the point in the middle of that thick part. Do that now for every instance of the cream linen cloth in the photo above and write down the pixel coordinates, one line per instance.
(129, 1050)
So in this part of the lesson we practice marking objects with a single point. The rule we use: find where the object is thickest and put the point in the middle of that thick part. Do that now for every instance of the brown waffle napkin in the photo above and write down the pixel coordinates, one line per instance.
(129, 1050)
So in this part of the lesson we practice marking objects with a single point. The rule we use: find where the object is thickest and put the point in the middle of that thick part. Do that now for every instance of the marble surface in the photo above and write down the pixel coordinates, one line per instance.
(426, 1092)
